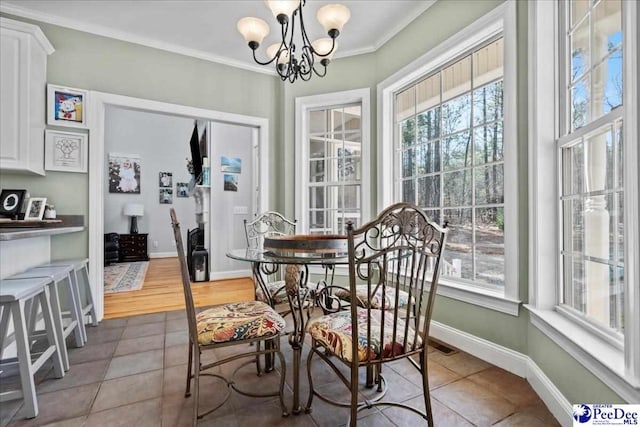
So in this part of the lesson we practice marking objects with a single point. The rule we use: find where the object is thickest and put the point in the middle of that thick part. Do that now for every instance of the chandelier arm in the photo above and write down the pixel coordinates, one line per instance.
(307, 57)
(255, 58)
(333, 46)
(303, 31)
(318, 74)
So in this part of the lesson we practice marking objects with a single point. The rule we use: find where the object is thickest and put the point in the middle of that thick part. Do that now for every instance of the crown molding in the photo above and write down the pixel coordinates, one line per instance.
(196, 53)
(130, 38)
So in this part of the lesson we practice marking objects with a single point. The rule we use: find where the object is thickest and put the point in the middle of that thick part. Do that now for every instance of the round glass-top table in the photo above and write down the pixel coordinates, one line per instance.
(264, 263)
(301, 258)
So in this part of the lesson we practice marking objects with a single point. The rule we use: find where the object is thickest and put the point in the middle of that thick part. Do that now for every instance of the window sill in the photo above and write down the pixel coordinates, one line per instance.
(470, 294)
(478, 296)
(604, 360)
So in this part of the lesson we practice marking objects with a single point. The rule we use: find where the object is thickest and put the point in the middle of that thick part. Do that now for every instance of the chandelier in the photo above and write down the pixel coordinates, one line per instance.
(293, 61)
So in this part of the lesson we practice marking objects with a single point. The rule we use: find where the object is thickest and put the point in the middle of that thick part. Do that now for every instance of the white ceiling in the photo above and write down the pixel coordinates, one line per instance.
(207, 28)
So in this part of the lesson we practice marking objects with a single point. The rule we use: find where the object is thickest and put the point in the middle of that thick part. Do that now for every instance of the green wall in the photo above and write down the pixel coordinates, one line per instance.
(88, 61)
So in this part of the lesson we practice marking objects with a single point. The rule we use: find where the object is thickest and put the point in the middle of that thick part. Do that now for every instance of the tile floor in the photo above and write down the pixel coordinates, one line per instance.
(132, 373)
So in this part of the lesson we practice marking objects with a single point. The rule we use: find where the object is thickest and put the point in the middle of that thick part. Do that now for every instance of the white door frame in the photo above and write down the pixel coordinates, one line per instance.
(98, 103)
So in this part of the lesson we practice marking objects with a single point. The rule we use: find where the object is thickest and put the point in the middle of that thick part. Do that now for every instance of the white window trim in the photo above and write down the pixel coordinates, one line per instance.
(619, 369)
(502, 19)
(303, 105)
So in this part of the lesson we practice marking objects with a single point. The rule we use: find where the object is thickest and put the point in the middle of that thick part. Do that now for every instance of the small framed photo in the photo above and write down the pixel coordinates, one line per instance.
(65, 151)
(66, 106)
(230, 182)
(166, 196)
(35, 209)
(165, 180)
(182, 189)
(11, 202)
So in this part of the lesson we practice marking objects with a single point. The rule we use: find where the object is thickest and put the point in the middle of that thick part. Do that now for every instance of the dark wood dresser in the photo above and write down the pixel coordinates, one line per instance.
(133, 247)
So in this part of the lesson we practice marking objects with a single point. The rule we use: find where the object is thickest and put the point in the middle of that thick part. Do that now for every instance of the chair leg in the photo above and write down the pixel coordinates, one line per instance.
(52, 339)
(57, 322)
(76, 307)
(283, 370)
(425, 386)
(196, 385)
(187, 393)
(258, 363)
(24, 356)
(353, 387)
(91, 302)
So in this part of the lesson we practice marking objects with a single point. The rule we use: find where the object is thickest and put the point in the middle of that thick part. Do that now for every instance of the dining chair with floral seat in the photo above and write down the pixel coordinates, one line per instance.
(233, 324)
(400, 250)
(269, 278)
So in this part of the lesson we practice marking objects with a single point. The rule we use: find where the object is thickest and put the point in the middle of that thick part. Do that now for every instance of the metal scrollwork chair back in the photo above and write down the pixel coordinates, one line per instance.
(251, 321)
(268, 277)
(399, 251)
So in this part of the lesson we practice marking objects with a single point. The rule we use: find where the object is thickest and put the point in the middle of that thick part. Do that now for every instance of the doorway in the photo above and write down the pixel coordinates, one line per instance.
(103, 102)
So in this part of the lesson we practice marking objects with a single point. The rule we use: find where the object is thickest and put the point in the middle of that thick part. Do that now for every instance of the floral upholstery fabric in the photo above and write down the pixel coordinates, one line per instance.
(238, 321)
(335, 332)
(376, 298)
(277, 291)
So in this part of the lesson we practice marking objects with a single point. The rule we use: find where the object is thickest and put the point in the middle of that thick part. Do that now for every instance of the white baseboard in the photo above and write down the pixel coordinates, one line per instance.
(505, 358)
(509, 360)
(163, 254)
(559, 406)
(231, 274)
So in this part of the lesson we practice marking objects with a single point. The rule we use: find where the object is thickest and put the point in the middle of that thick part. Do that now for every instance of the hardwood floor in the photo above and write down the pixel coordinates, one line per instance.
(162, 291)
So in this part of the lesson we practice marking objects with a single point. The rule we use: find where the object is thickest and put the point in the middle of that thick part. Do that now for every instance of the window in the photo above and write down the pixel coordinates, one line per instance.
(592, 285)
(584, 284)
(448, 142)
(449, 147)
(335, 168)
(331, 162)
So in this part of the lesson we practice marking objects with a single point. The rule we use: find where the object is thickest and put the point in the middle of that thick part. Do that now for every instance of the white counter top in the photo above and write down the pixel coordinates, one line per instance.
(26, 233)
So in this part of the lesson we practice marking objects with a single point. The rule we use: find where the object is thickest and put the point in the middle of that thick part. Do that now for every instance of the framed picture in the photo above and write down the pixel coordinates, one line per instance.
(124, 173)
(11, 202)
(165, 180)
(65, 151)
(182, 189)
(230, 164)
(35, 209)
(66, 106)
(230, 182)
(166, 196)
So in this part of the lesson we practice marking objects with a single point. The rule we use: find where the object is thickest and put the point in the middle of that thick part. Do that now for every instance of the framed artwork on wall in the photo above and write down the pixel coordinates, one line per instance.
(166, 196)
(230, 164)
(66, 106)
(165, 180)
(11, 202)
(230, 182)
(35, 208)
(124, 173)
(65, 151)
(182, 189)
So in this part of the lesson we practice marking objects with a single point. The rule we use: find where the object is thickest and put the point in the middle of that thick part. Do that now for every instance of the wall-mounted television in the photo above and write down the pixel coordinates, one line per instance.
(196, 154)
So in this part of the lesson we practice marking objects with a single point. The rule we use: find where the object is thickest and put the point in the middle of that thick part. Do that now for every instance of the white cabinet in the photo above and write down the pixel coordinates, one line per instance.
(23, 81)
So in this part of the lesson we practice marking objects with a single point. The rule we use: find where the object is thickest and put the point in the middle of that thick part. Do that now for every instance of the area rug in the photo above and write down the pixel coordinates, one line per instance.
(124, 277)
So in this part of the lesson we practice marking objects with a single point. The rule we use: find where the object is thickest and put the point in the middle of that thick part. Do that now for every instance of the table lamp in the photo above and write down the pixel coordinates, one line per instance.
(134, 210)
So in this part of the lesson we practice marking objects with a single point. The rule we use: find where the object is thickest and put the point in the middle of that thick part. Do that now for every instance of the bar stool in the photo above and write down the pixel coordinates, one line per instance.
(14, 294)
(87, 304)
(59, 275)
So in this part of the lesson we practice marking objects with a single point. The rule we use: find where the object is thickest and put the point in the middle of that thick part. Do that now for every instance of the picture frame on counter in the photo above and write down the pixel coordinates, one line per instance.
(35, 209)
(11, 202)
(66, 151)
(66, 106)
